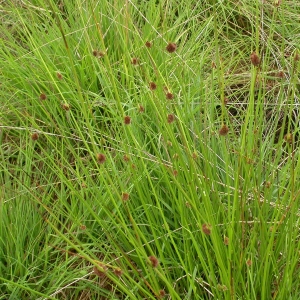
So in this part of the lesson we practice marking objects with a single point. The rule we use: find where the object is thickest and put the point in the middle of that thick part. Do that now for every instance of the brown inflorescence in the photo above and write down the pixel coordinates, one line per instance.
(97, 53)
(268, 184)
(66, 106)
(125, 196)
(35, 136)
(154, 261)
(171, 47)
(226, 240)
(206, 228)
(148, 44)
(249, 262)
(43, 96)
(101, 273)
(134, 61)
(127, 120)
(169, 96)
(101, 158)
(141, 108)
(118, 272)
(255, 60)
(170, 118)
(224, 130)
(162, 293)
(152, 86)
(126, 158)
(59, 76)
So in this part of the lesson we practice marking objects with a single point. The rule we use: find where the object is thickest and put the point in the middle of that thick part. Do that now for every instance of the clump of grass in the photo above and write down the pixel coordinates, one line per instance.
(196, 197)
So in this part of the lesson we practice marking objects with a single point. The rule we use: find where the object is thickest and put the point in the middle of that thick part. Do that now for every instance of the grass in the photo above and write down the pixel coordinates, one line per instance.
(149, 149)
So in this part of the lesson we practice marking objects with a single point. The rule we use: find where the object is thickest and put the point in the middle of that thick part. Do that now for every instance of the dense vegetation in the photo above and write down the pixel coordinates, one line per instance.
(149, 149)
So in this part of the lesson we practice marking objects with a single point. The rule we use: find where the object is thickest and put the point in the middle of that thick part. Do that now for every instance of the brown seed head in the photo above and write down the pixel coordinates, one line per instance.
(171, 47)
(206, 228)
(59, 76)
(255, 60)
(125, 196)
(213, 65)
(82, 227)
(126, 158)
(134, 61)
(141, 109)
(43, 96)
(154, 261)
(118, 272)
(97, 53)
(101, 158)
(268, 184)
(35, 136)
(297, 56)
(162, 294)
(101, 270)
(223, 130)
(170, 118)
(169, 96)
(127, 120)
(175, 173)
(65, 106)
(249, 262)
(148, 44)
(226, 240)
(152, 86)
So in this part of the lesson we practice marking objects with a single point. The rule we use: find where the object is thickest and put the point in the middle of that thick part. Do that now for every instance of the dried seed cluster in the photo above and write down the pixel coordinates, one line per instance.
(255, 60)
(127, 120)
(35, 136)
(43, 96)
(224, 130)
(206, 228)
(171, 47)
(125, 196)
(153, 261)
(101, 158)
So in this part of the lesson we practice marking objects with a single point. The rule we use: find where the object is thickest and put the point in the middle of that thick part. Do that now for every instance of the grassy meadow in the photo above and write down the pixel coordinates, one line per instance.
(149, 149)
